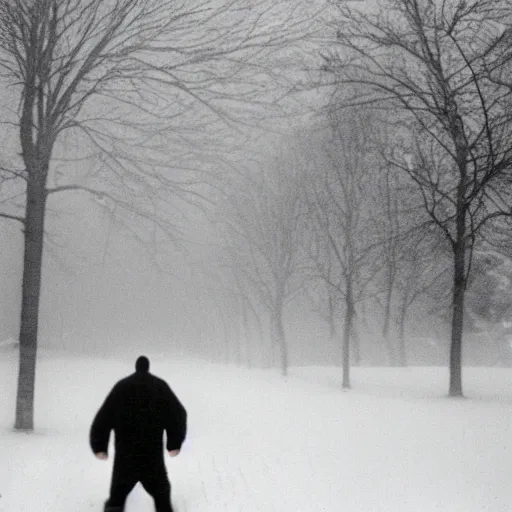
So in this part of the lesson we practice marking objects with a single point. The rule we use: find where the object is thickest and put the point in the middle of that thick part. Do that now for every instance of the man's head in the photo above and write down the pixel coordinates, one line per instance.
(142, 364)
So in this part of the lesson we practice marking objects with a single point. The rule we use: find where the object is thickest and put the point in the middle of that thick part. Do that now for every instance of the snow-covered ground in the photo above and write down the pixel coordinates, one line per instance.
(259, 443)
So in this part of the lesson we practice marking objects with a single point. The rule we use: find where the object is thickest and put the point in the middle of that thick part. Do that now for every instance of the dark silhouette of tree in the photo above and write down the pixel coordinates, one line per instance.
(136, 89)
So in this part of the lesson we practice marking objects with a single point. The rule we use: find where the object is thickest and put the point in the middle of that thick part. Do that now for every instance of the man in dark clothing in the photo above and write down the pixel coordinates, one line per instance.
(139, 408)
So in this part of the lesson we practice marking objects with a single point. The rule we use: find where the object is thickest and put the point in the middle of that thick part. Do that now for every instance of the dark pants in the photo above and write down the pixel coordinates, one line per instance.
(150, 473)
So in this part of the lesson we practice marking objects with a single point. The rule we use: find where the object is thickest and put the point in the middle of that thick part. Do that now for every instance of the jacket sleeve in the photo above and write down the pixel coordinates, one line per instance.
(175, 420)
(102, 424)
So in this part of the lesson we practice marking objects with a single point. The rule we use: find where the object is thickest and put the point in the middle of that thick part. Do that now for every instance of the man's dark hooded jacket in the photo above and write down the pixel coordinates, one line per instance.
(139, 408)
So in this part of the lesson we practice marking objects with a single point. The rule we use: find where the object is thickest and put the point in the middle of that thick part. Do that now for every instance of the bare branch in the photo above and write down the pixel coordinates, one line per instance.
(12, 217)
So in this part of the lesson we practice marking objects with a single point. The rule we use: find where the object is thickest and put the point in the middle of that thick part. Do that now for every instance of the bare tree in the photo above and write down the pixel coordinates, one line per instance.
(430, 64)
(343, 251)
(125, 85)
(389, 223)
(261, 224)
(411, 256)
(221, 277)
(422, 277)
(241, 299)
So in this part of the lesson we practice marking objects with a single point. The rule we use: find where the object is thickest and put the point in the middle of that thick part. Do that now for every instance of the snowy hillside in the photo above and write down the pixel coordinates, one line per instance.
(258, 443)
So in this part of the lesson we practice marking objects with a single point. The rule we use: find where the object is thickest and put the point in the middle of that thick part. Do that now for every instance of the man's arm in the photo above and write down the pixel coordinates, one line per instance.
(175, 421)
(102, 425)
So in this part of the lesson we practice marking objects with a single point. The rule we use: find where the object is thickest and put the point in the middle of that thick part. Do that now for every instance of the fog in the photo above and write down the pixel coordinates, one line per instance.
(259, 204)
(104, 291)
(108, 285)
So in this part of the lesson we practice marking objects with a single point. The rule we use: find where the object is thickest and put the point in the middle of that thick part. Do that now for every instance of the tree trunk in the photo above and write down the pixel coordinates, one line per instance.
(392, 356)
(346, 351)
(355, 341)
(402, 352)
(459, 288)
(260, 346)
(347, 329)
(31, 288)
(280, 338)
(459, 252)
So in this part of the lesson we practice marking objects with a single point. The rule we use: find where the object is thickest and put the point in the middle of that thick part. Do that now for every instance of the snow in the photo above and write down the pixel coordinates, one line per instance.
(258, 442)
